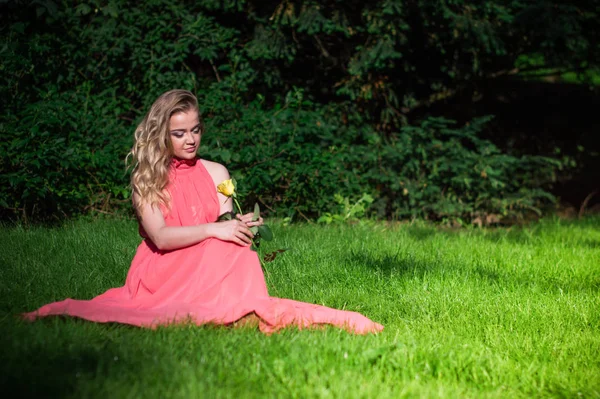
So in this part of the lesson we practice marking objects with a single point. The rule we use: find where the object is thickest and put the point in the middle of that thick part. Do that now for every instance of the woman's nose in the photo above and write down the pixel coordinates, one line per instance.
(189, 137)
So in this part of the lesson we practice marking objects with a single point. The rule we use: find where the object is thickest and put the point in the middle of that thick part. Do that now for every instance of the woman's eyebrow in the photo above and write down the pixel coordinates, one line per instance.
(183, 130)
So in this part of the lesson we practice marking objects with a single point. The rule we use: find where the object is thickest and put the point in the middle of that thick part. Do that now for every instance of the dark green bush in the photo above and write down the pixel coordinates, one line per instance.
(439, 170)
(303, 101)
(299, 157)
(58, 160)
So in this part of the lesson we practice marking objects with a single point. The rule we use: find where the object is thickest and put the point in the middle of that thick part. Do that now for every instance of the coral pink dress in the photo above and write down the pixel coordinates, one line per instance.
(213, 281)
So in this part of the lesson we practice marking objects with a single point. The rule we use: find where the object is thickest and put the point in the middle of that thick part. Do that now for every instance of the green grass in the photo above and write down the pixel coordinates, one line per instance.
(511, 313)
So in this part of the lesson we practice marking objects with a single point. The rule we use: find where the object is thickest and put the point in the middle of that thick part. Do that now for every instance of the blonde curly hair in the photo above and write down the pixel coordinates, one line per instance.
(152, 151)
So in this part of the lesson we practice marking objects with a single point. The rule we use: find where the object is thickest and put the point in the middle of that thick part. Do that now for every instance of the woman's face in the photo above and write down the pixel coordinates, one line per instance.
(184, 131)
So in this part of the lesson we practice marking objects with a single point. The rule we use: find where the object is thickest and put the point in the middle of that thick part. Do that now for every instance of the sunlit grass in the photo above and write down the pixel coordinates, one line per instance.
(469, 313)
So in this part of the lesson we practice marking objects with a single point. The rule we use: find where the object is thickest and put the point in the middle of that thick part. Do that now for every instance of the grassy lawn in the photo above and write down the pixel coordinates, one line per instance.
(511, 313)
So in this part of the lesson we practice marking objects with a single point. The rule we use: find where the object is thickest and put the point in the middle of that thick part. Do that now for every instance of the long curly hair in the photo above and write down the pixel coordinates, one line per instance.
(152, 151)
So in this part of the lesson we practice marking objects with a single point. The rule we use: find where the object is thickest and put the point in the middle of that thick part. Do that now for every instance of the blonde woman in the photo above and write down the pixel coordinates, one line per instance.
(190, 268)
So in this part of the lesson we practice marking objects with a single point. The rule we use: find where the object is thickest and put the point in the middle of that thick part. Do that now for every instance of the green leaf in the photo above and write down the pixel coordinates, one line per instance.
(265, 232)
(82, 9)
(254, 229)
(256, 212)
(225, 156)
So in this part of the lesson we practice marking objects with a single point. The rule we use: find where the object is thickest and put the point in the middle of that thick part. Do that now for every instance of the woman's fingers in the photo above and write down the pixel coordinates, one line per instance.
(235, 231)
(243, 240)
(246, 231)
(239, 242)
(247, 218)
(243, 234)
(247, 221)
(256, 223)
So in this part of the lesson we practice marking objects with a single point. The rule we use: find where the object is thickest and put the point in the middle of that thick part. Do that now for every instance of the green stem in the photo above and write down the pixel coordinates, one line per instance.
(262, 264)
(238, 206)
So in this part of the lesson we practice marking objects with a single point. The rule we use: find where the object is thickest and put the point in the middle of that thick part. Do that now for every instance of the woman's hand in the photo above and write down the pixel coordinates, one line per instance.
(233, 230)
(247, 219)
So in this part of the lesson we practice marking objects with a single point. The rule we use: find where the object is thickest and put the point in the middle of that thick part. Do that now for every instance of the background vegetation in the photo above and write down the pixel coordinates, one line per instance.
(303, 99)
(327, 110)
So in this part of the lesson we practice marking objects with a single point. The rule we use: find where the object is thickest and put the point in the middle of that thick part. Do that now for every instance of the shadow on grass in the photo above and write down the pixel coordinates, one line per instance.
(592, 244)
(43, 359)
(531, 238)
(528, 235)
(402, 266)
(391, 265)
(547, 284)
(422, 233)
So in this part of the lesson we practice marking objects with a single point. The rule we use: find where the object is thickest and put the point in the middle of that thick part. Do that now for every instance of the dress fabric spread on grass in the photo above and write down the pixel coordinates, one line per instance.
(213, 281)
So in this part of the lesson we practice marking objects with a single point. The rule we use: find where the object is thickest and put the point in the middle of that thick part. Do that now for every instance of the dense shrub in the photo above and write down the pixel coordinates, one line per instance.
(300, 157)
(303, 101)
(64, 155)
(440, 170)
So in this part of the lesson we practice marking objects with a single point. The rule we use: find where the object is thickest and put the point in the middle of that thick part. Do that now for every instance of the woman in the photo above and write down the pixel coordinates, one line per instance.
(190, 268)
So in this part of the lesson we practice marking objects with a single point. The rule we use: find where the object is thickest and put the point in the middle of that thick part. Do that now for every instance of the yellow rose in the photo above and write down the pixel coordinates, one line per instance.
(227, 188)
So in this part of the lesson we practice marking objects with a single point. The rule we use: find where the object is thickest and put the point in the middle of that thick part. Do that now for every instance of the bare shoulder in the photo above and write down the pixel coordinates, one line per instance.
(217, 171)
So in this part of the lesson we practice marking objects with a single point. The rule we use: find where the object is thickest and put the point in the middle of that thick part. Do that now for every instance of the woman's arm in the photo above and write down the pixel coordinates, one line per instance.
(173, 237)
(219, 174)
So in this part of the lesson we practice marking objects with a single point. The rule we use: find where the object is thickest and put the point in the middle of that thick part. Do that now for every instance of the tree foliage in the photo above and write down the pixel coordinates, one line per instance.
(303, 99)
